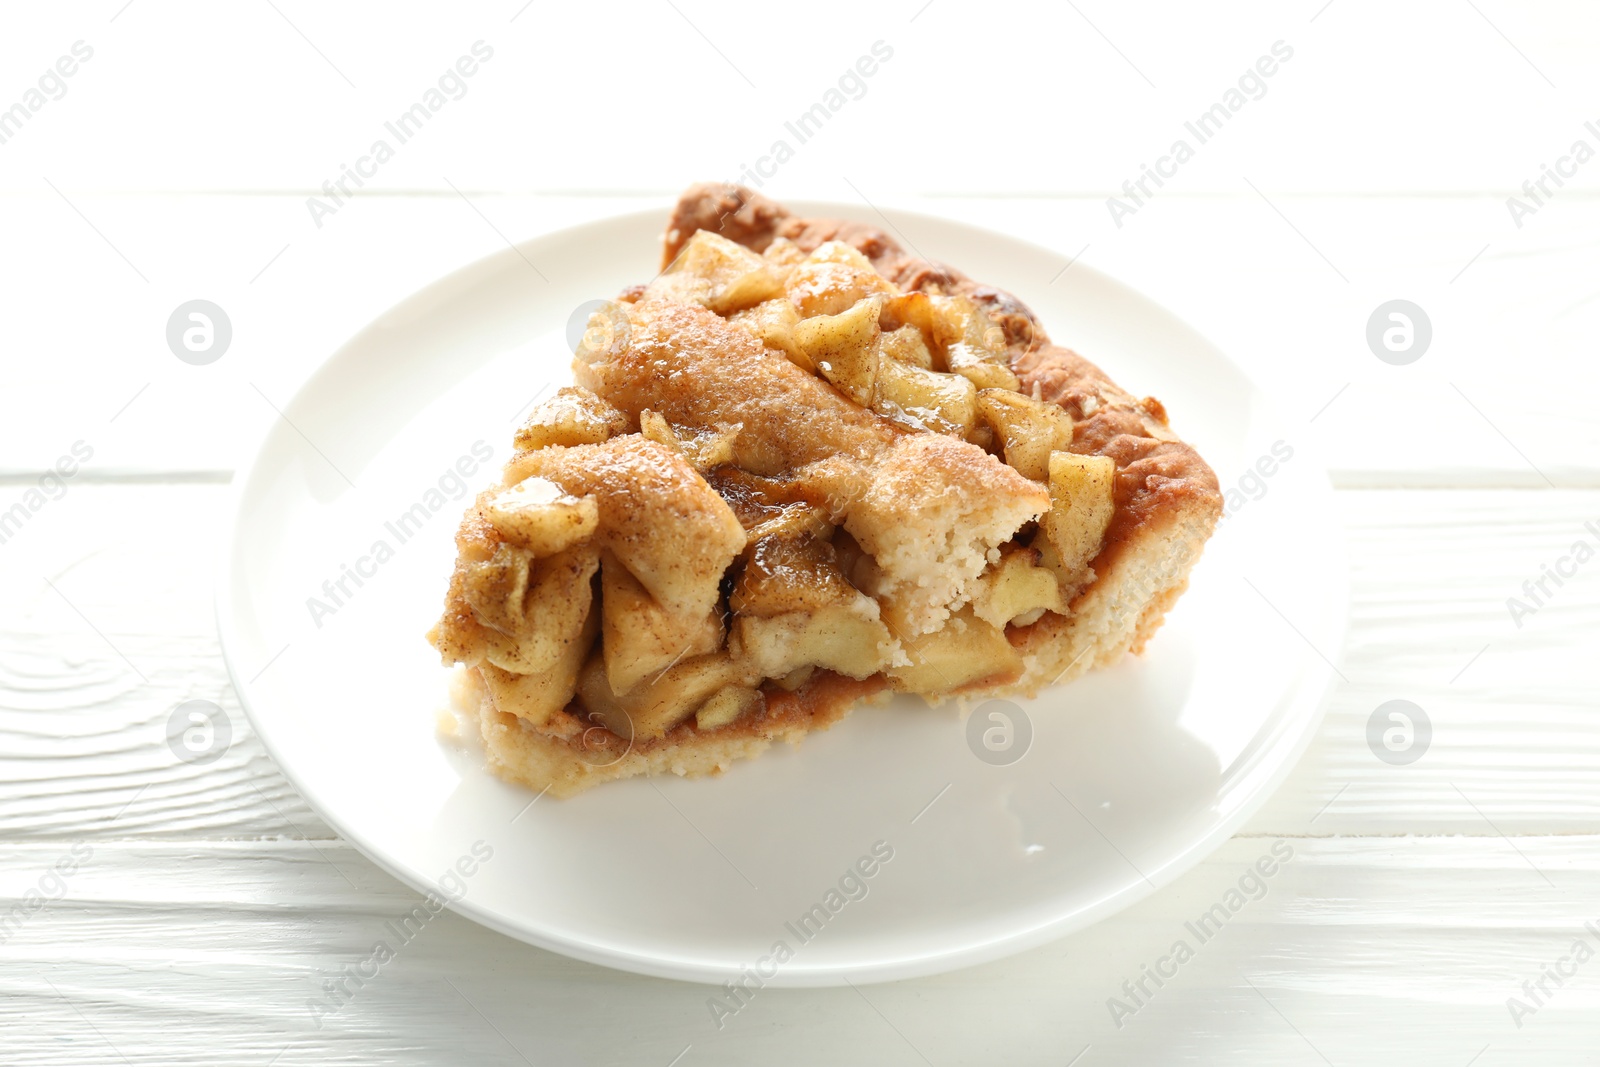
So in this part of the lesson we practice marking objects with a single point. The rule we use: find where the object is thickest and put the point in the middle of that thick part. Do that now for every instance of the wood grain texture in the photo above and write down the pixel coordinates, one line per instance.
(176, 952)
(1514, 749)
(1514, 711)
(106, 627)
(214, 904)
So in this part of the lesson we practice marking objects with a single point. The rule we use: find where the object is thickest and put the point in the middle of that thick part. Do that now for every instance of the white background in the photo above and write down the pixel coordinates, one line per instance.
(1377, 166)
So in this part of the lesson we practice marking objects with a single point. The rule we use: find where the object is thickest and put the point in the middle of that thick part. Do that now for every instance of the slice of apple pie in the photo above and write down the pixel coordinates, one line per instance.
(797, 470)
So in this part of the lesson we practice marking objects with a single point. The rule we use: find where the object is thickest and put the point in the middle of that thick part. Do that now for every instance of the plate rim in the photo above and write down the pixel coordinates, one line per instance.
(1313, 684)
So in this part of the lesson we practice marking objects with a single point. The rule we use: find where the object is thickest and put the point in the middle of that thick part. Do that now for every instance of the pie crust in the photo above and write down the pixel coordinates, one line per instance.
(800, 470)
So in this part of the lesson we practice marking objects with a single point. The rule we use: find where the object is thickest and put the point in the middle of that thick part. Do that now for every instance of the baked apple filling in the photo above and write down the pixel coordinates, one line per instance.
(779, 477)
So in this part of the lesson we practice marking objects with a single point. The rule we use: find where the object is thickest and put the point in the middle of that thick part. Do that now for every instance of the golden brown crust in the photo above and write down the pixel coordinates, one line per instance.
(657, 514)
(686, 365)
(689, 365)
(1157, 474)
(1122, 609)
(571, 755)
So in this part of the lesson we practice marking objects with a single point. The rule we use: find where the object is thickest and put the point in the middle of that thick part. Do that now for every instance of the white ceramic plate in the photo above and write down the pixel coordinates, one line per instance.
(1131, 776)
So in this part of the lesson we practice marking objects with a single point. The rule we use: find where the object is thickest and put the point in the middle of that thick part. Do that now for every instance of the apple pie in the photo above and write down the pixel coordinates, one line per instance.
(798, 470)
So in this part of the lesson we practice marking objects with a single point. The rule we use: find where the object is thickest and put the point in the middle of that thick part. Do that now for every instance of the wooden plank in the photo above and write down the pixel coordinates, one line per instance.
(1513, 709)
(107, 626)
(1514, 747)
(202, 928)
(173, 952)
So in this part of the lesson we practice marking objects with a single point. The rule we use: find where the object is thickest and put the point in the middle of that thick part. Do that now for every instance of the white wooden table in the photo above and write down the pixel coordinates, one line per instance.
(207, 905)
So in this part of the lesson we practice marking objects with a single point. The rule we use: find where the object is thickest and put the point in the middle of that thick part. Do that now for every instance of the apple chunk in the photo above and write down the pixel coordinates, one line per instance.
(657, 704)
(574, 416)
(844, 347)
(719, 274)
(965, 651)
(1082, 502)
(528, 610)
(1017, 590)
(846, 637)
(640, 637)
(974, 346)
(773, 322)
(946, 403)
(728, 705)
(794, 608)
(907, 345)
(832, 279)
(1028, 429)
(535, 697)
(542, 517)
(783, 575)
